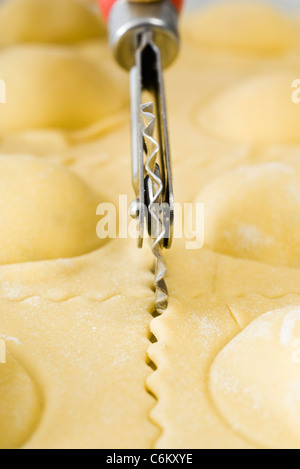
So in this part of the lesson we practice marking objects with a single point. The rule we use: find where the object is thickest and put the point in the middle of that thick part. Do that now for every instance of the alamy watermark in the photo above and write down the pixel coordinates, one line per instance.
(2, 351)
(116, 222)
(2, 92)
(296, 92)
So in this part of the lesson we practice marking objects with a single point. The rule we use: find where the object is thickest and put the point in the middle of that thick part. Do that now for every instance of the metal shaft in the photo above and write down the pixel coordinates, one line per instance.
(151, 165)
(144, 39)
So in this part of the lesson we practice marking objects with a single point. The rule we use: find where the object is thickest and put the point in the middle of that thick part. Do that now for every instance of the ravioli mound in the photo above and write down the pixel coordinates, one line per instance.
(46, 212)
(55, 87)
(243, 27)
(255, 380)
(259, 110)
(20, 404)
(56, 21)
(253, 212)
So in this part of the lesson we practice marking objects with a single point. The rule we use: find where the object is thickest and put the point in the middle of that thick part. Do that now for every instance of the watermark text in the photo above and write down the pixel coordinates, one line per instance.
(115, 222)
(2, 92)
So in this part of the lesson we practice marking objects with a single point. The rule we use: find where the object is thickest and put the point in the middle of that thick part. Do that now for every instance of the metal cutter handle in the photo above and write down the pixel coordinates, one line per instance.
(144, 39)
(124, 17)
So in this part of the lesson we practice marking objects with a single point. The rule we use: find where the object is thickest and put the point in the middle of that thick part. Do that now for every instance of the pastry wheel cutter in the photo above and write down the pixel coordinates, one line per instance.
(144, 39)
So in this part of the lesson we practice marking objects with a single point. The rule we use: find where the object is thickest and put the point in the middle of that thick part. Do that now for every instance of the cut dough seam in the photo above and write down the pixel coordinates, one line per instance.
(155, 377)
(161, 355)
(188, 305)
(153, 366)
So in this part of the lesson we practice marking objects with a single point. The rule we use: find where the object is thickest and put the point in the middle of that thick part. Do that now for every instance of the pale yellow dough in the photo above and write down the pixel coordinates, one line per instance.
(46, 211)
(56, 87)
(76, 367)
(76, 323)
(21, 404)
(242, 395)
(52, 21)
(253, 212)
(258, 110)
(224, 379)
(75, 328)
(255, 380)
(245, 27)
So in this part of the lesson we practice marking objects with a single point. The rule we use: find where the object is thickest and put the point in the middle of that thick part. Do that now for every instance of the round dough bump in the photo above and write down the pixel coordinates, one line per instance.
(260, 110)
(56, 21)
(20, 404)
(253, 212)
(46, 212)
(255, 380)
(243, 27)
(53, 87)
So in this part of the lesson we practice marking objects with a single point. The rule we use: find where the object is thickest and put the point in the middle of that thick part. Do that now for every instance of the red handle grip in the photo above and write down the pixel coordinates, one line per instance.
(106, 6)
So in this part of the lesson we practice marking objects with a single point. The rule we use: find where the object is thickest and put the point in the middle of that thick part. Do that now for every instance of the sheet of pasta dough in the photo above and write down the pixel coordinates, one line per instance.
(211, 306)
(82, 360)
(227, 354)
(76, 329)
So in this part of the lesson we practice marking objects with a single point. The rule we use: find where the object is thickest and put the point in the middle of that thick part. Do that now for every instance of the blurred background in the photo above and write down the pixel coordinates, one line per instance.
(289, 4)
